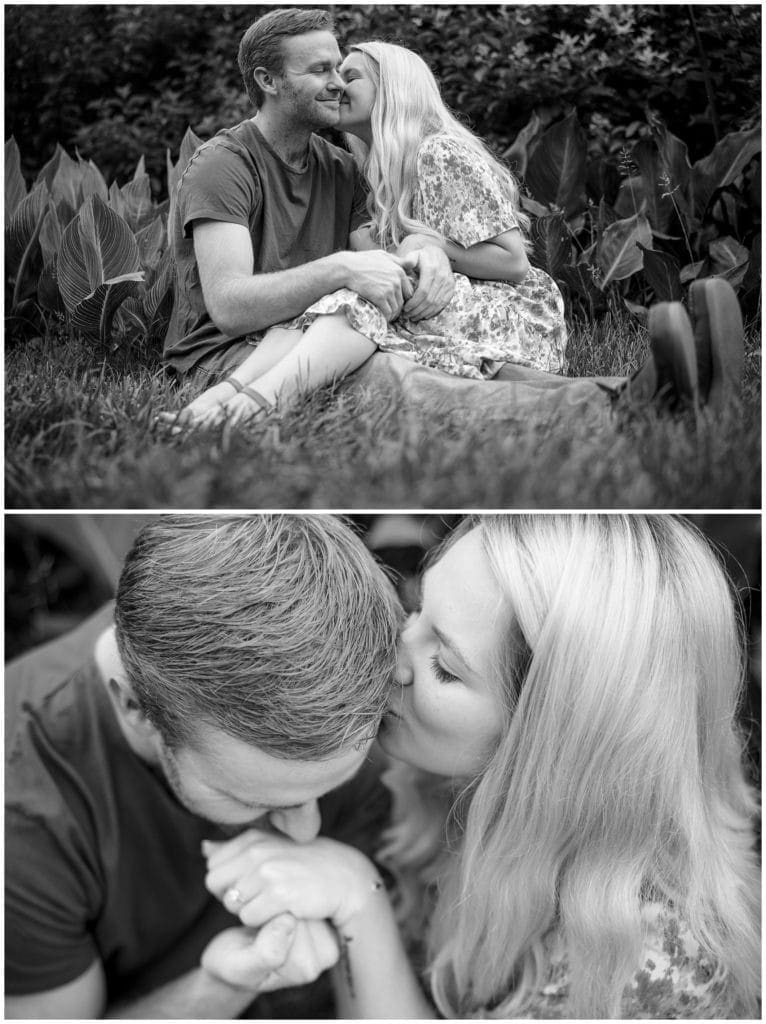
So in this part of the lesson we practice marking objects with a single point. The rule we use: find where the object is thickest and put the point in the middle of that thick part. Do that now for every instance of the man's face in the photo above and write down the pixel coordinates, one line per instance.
(234, 784)
(310, 86)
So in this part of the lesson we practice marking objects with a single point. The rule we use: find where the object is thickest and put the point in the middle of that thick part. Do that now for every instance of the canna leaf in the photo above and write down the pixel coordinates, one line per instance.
(618, 253)
(48, 293)
(729, 259)
(137, 199)
(556, 166)
(189, 144)
(48, 171)
(15, 186)
(663, 274)
(517, 154)
(94, 315)
(21, 236)
(66, 186)
(51, 233)
(151, 240)
(723, 165)
(91, 180)
(552, 248)
(97, 247)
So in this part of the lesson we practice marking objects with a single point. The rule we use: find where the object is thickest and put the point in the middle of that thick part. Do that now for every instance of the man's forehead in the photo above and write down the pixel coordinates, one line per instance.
(231, 764)
(307, 49)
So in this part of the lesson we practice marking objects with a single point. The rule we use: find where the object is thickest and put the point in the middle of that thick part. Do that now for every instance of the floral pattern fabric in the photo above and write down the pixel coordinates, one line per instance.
(675, 980)
(486, 323)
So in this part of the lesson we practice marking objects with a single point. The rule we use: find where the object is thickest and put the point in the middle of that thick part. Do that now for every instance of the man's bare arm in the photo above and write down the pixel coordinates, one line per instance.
(236, 965)
(240, 301)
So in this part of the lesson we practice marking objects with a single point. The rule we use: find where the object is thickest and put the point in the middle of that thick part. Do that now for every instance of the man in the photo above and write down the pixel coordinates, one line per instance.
(241, 682)
(261, 225)
(264, 209)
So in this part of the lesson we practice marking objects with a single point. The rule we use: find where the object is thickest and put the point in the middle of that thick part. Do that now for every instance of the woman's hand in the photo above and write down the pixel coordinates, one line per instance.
(361, 239)
(257, 876)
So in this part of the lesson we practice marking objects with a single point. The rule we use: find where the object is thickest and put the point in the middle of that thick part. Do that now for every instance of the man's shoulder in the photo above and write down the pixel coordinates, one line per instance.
(32, 679)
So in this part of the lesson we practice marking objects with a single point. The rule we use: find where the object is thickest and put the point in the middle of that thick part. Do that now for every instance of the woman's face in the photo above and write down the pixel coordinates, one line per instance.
(358, 97)
(446, 717)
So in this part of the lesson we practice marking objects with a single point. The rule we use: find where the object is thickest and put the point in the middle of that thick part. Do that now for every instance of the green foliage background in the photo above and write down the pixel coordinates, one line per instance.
(120, 81)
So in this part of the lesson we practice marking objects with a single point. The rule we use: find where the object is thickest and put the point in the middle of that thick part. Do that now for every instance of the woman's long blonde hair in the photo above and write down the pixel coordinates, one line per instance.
(618, 777)
(408, 109)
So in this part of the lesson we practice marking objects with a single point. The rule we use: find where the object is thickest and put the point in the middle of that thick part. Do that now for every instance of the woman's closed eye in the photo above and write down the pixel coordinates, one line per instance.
(441, 672)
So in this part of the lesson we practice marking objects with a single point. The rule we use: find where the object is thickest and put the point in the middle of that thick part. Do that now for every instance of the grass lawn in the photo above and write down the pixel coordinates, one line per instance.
(79, 434)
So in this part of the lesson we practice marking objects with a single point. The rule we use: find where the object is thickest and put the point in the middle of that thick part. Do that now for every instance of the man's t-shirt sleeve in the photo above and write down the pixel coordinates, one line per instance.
(47, 942)
(219, 185)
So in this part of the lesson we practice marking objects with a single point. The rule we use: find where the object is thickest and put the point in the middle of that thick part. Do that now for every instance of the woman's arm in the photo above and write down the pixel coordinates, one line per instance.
(361, 239)
(374, 978)
(503, 258)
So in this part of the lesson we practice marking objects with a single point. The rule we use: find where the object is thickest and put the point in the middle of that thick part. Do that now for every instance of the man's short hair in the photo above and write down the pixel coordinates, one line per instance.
(279, 630)
(261, 45)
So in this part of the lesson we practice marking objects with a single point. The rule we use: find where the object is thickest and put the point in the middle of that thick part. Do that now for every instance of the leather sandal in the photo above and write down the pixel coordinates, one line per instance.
(719, 340)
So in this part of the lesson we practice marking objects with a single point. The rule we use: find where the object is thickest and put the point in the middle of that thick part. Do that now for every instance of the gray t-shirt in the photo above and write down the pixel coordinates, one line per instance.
(293, 217)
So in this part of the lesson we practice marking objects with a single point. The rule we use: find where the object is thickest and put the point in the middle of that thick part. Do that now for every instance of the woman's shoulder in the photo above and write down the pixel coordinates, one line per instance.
(677, 977)
(442, 145)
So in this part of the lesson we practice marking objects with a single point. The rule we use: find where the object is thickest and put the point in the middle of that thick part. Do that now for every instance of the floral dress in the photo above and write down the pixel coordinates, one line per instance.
(676, 978)
(486, 323)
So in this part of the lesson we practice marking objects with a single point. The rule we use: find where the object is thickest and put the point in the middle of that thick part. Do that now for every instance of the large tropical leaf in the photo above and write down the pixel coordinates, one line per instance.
(48, 293)
(21, 236)
(189, 144)
(552, 246)
(66, 185)
(618, 254)
(729, 259)
(138, 205)
(517, 154)
(151, 241)
(663, 165)
(663, 274)
(97, 246)
(15, 186)
(95, 313)
(51, 233)
(556, 167)
(48, 171)
(723, 165)
(91, 180)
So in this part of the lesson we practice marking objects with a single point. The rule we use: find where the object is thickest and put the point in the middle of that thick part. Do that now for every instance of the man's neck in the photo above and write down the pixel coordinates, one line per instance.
(289, 142)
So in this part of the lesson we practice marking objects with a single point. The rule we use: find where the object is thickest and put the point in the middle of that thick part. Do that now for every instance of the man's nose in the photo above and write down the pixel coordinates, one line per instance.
(336, 82)
(299, 823)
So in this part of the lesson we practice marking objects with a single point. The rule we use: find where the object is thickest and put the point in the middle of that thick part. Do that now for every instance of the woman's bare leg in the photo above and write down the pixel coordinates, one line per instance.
(275, 344)
(328, 350)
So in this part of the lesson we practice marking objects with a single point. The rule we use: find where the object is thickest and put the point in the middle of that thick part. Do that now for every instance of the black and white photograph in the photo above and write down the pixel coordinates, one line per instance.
(383, 518)
(262, 774)
(388, 256)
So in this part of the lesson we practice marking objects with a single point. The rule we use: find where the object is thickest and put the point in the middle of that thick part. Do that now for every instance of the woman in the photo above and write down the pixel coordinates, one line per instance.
(573, 833)
(430, 181)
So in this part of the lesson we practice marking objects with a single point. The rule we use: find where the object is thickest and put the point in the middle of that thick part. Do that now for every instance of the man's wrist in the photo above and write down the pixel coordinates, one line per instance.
(338, 266)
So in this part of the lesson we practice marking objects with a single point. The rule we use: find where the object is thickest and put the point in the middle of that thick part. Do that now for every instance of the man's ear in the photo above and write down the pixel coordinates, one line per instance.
(266, 81)
(132, 717)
